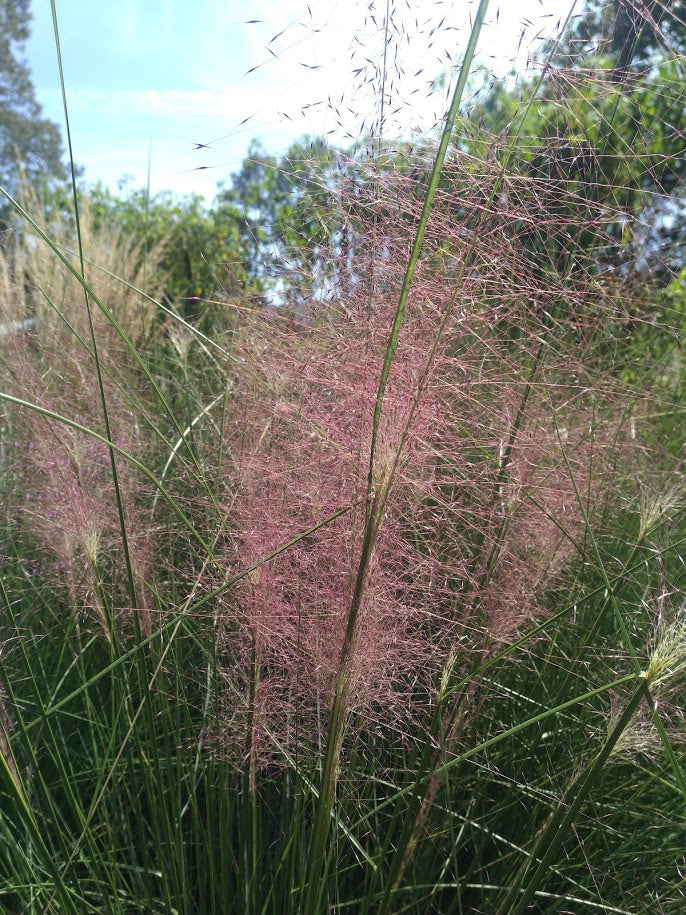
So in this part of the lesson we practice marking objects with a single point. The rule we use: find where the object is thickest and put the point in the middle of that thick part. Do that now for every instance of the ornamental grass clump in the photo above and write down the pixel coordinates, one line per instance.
(70, 508)
(345, 610)
(476, 485)
(49, 300)
(73, 505)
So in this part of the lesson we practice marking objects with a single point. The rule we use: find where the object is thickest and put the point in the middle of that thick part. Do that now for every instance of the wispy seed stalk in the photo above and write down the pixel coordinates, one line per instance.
(375, 503)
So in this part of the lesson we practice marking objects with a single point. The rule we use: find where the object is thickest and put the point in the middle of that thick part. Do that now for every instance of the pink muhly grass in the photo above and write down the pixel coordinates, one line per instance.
(293, 610)
(538, 523)
(69, 498)
(300, 443)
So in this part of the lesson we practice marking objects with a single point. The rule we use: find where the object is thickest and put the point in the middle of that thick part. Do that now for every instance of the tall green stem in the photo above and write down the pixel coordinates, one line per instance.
(375, 506)
(551, 838)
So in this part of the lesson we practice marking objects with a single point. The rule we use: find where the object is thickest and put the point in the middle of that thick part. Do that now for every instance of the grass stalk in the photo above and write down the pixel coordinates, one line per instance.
(375, 505)
(551, 838)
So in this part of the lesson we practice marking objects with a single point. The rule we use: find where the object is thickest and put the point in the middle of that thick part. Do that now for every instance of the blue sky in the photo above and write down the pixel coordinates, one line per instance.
(146, 80)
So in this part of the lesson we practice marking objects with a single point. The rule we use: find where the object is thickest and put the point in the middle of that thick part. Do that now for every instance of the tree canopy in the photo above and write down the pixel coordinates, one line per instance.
(27, 138)
(262, 240)
(287, 213)
(604, 139)
(631, 33)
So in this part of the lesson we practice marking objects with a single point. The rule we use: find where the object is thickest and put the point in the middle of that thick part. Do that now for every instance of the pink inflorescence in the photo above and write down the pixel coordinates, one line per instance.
(480, 511)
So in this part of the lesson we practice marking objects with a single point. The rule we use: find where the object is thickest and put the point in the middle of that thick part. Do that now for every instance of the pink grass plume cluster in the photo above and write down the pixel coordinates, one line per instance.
(481, 491)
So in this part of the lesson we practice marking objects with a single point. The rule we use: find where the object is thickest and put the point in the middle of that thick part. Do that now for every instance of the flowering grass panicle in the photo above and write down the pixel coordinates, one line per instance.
(71, 500)
(70, 507)
(550, 491)
(481, 494)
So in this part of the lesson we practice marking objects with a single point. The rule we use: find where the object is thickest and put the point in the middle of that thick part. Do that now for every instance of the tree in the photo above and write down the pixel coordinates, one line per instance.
(204, 255)
(287, 215)
(26, 138)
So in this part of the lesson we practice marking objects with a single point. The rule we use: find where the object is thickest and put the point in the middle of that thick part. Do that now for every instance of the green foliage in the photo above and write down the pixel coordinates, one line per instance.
(603, 151)
(263, 238)
(287, 214)
(205, 259)
(631, 33)
(26, 138)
